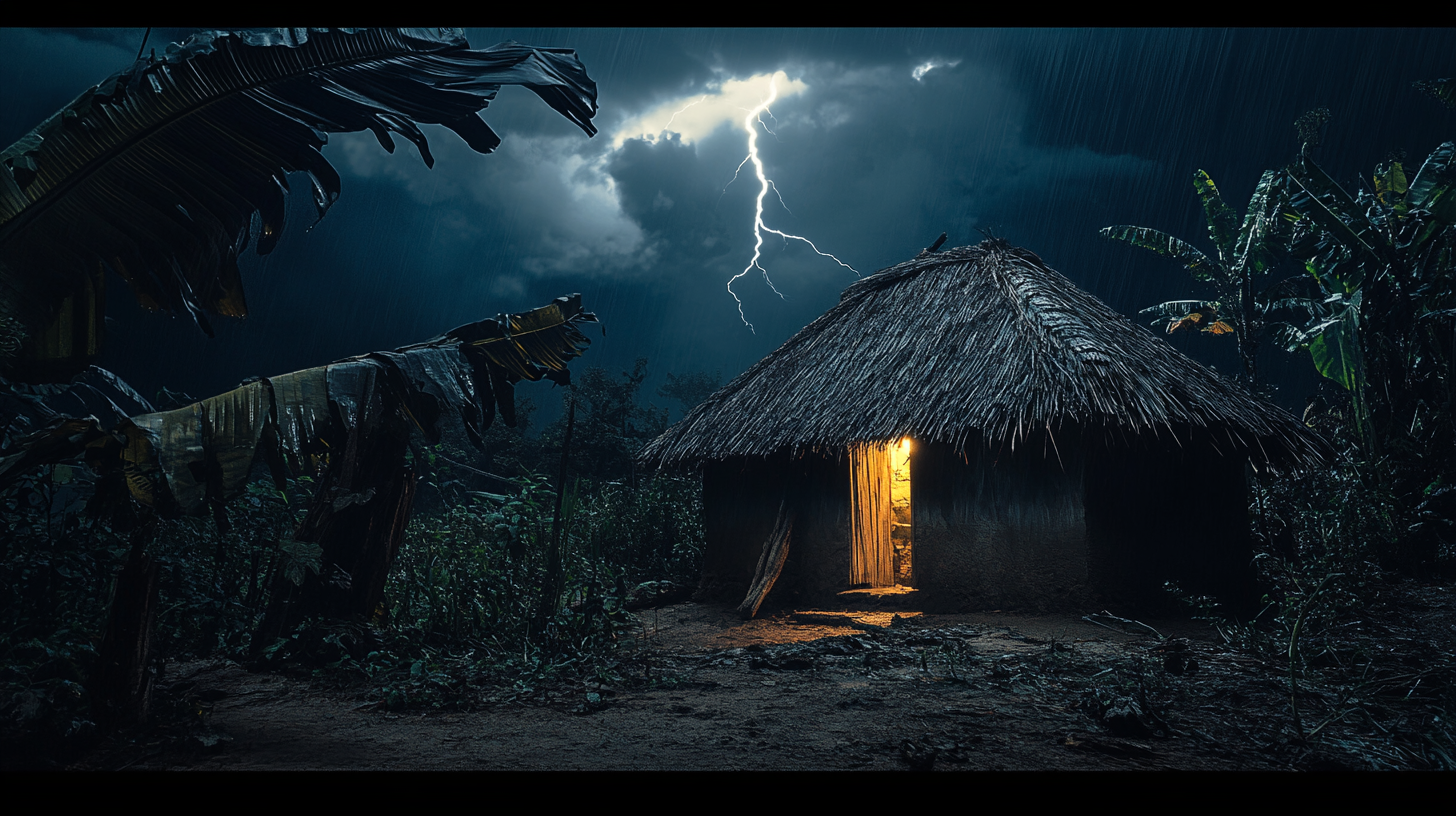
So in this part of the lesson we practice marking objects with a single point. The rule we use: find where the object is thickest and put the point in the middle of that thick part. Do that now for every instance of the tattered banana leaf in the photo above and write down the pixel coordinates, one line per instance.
(1431, 190)
(1174, 315)
(1261, 222)
(1444, 90)
(527, 346)
(355, 389)
(1328, 205)
(232, 424)
(441, 390)
(159, 171)
(1391, 187)
(139, 463)
(167, 449)
(25, 408)
(1223, 223)
(301, 414)
(1166, 245)
(182, 461)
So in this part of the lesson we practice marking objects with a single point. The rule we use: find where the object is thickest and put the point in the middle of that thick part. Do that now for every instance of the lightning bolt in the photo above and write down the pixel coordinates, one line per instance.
(680, 110)
(754, 118)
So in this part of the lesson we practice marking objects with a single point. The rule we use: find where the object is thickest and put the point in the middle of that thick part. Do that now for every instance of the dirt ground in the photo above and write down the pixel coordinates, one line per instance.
(831, 691)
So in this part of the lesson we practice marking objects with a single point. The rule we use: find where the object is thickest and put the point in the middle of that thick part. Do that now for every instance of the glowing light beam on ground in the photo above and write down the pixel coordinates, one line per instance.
(750, 123)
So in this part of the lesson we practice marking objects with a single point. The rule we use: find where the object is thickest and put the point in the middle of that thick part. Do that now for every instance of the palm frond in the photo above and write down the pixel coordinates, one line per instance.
(158, 172)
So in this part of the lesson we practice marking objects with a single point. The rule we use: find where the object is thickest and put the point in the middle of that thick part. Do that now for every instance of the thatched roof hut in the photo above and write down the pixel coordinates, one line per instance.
(1056, 444)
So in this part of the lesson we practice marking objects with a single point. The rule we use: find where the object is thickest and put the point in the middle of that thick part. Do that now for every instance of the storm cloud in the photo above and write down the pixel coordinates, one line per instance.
(880, 141)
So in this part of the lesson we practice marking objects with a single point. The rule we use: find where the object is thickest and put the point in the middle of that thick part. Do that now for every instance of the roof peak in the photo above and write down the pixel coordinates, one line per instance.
(927, 260)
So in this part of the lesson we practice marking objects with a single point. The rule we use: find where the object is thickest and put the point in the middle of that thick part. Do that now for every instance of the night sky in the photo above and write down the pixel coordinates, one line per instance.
(881, 140)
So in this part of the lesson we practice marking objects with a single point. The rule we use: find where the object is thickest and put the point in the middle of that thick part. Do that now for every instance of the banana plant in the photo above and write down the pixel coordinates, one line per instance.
(1383, 259)
(1245, 252)
(167, 170)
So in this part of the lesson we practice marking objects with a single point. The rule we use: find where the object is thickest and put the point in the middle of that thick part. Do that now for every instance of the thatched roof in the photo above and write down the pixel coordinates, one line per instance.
(975, 342)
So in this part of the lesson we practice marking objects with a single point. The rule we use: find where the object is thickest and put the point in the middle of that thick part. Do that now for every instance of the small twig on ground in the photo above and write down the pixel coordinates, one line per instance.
(1105, 619)
(1294, 651)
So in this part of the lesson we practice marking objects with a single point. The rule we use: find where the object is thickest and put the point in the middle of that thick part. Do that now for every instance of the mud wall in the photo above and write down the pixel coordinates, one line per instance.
(818, 564)
(1046, 527)
(740, 503)
(997, 529)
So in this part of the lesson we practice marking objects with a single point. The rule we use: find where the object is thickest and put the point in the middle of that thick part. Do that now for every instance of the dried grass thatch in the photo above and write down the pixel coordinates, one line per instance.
(975, 342)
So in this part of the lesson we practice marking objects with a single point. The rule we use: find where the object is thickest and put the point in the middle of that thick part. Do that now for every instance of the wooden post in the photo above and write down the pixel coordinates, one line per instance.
(358, 517)
(551, 593)
(121, 688)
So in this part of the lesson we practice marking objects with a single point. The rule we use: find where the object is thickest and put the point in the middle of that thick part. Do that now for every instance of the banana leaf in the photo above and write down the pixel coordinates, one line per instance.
(1291, 309)
(63, 438)
(161, 171)
(1335, 349)
(1391, 187)
(1223, 223)
(200, 455)
(1261, 223)
(25, 408)
(1444, 90)
(1431, 190)
(1434, 178)
(1332, 339)
(1324, 202)
(1175, 315)
(205, 452)
(1166, 245)
(301, 415)
(528, 346)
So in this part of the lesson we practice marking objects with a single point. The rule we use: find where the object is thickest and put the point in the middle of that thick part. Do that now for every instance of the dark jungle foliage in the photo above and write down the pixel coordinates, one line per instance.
(1382, 330)
(460, 603)
(1374, 304)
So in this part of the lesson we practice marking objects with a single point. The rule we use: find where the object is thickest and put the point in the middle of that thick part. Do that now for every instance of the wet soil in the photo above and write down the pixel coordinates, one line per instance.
(702, 690)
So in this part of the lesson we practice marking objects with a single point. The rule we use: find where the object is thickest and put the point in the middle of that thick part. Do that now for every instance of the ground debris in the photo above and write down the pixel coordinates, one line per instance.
(711, 691)
(1110, 746)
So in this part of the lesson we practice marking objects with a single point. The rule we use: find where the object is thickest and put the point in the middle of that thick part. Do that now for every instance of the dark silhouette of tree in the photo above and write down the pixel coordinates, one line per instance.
(691, 389)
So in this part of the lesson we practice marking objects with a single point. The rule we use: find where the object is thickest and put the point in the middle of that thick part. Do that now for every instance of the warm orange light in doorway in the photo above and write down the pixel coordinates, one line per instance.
(901, 522)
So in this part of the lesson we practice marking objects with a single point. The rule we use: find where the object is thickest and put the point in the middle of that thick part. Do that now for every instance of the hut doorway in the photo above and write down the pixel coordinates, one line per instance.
(881, 524)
